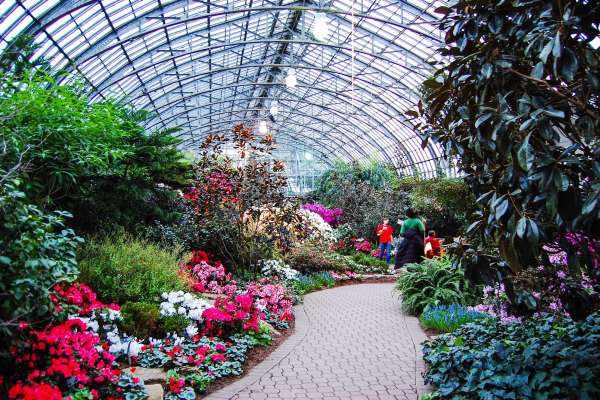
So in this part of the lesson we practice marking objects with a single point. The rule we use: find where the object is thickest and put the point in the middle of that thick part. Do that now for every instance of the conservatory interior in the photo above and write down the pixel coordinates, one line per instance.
(299, 199)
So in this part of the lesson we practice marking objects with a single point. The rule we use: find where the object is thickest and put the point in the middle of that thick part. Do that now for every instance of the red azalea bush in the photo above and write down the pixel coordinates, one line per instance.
(79, 295)
(62, 360)
(209, 278)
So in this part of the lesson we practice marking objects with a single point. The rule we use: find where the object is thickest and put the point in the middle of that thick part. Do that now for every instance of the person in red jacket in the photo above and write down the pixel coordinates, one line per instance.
(433, 247)
(385, 232)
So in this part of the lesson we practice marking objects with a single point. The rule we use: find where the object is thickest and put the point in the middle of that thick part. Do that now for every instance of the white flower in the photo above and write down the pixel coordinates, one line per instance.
(181, 311)
(191, 330)
(134, 348)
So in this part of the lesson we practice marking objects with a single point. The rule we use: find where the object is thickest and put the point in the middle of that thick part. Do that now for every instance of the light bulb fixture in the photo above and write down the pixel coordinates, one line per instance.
(320, 27)
(262, 127)
(291, 80)
(274, 110)
(308, 156)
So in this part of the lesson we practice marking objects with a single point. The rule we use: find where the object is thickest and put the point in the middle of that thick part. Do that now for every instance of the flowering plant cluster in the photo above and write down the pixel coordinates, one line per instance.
(317, 229)
(230, 315)
(65, 359)
(216, 187)
(277, 268)
(343, 276)
(185, 304)
(362, 245)
(79, 295)
(330, 216)
(209, 278)
(273, 297)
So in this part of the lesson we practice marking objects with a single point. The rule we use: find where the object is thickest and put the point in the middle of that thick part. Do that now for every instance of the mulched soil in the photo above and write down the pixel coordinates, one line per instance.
(255, 356)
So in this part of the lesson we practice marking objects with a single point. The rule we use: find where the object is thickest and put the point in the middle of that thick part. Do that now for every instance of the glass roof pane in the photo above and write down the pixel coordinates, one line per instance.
(204, 68)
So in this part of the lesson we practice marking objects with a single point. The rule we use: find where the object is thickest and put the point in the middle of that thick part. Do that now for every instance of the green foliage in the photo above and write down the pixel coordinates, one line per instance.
(542, 358)
(518, 106)
(434, 282)
(309, 257)
(140, 319)
(446, 204)
(173, 324)
(94, 160)
(446, 318)
(332, 183)
(369, 261)
(308, 283)
(122, 268)
(36, 252)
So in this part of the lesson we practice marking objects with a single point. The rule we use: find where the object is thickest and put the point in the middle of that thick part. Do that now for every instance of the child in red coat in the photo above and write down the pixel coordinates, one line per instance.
(433, 247)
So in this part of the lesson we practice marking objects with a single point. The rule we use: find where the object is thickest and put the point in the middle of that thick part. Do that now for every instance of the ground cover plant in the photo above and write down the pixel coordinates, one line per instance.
(434, 282)
(547, 357)
(448, 318)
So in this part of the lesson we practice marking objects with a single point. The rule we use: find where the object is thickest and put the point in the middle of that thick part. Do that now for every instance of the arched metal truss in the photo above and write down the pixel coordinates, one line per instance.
(204, 65)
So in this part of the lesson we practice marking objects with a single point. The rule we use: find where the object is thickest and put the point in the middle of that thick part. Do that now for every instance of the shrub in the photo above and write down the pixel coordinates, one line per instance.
(140, 319)
(543, 358)
(369, 260)
(122, 268)
(37, 251)
(448, 318)
(308, 257)
(172, 324)
(433, 282)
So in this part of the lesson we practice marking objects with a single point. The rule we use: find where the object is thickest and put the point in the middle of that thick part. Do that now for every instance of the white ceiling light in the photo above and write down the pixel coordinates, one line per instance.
(262, 127)
(291, 80)
(274, 110)
(320, 27)
(308, 156)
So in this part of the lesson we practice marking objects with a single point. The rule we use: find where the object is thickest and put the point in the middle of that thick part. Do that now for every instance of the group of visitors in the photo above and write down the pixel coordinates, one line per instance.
(413, 246)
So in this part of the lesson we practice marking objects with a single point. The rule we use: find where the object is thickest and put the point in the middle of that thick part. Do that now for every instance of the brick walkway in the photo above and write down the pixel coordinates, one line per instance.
(351, 342)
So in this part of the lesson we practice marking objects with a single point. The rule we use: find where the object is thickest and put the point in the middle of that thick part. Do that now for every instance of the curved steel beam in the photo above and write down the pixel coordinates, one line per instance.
(339, 97)
(118, 75)
(337, 140)
(254, 10)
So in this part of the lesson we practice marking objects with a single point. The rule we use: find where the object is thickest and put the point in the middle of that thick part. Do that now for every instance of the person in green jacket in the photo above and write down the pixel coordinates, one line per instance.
(413, 222)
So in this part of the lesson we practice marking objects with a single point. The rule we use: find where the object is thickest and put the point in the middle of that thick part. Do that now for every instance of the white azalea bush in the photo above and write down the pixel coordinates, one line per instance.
(316, 227)
(278, 268)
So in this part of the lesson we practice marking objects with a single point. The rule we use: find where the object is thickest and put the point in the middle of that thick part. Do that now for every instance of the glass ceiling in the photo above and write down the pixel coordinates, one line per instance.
(205, 65)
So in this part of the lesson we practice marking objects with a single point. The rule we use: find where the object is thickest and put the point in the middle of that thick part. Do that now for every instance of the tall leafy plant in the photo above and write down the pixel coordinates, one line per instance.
(434, 282)
(36, 252)
(518, 105)
(95, 160)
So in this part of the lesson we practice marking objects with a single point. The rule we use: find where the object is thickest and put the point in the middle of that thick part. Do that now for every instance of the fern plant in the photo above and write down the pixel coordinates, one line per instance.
(434, 282)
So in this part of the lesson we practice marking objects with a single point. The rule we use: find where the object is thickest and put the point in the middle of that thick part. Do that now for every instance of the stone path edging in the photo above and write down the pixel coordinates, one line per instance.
(409, 328)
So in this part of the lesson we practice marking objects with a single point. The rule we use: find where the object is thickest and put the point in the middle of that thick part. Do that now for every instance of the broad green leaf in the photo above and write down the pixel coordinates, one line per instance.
(482, 119)
(501, 209)
(522, 227)
(546, 51)
(556, 49)
(525, 155)
(538, 71)
(569, 65)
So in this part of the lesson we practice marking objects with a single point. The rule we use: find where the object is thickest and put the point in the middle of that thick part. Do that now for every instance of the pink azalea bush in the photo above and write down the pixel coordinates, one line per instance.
(331, 216)
(209, 278)
(273, 297)
(362, 245)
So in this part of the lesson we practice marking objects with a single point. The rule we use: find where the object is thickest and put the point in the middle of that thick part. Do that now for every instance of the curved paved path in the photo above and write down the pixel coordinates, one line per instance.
(351, 342)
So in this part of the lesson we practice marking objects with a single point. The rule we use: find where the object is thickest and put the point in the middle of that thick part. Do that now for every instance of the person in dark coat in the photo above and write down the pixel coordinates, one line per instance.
(411, 249)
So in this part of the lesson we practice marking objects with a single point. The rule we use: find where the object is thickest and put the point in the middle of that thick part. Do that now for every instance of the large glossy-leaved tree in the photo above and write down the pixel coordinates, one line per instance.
(518, 104)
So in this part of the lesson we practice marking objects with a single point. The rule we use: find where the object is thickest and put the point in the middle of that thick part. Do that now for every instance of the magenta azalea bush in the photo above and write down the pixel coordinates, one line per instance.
(331, 216)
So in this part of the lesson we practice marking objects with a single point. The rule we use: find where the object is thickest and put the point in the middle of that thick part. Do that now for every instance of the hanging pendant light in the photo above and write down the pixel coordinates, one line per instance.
(274, 110)
(263, 128)
(291, 80)
(320, 27)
